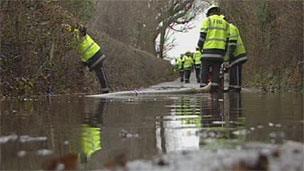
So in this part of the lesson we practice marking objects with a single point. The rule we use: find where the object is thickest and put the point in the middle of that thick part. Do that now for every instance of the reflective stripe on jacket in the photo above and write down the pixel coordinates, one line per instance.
(216, 29)
(235, 40)
(188, 62)
(91, 140)
(179, 63)
(197, 56)
(88, 48)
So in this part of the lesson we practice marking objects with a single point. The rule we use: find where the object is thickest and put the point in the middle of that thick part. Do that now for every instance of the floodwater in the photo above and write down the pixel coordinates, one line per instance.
(33, 131)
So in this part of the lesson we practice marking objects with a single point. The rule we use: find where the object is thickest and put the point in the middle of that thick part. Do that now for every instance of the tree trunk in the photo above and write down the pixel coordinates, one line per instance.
(162, 42)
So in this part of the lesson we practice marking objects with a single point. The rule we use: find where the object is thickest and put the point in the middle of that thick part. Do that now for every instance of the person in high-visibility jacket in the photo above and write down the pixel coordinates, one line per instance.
(180, 67)
(237, 57)
(197, 57)
(188, 66)
(213, 43)
(92, 55)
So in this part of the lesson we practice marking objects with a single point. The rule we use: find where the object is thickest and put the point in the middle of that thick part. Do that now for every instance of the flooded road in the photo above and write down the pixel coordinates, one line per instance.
(98, 130)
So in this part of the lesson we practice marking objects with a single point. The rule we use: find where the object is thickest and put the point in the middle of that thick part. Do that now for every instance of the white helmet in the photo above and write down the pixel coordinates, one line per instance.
(210, 8)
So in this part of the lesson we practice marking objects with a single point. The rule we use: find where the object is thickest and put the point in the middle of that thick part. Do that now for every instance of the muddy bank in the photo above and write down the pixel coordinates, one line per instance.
(252, 156)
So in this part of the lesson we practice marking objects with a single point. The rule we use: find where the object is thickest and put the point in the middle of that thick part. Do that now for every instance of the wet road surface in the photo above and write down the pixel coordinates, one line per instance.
(34, 130)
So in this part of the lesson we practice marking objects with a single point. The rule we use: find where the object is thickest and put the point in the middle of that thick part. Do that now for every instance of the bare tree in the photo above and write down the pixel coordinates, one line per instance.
(139, 23)
(175, 13)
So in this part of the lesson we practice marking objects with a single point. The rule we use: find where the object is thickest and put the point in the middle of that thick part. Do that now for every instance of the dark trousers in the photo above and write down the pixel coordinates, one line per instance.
(198, 72)
(236, 77)
(96, 64)
(187, 75)
(215, 72)
(181, 74)
(102, 78)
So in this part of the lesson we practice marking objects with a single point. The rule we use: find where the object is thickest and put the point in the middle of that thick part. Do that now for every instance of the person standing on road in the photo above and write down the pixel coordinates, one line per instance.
(213, 43)
(197, 57)
(188, 66)
(92, 55)
(180, 67)
(237, 57)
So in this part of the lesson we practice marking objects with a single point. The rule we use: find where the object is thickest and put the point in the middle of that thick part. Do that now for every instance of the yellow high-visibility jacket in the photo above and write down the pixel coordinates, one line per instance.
(216, 30)
(197, 56)
(188, 62)
(239, 54)
(88, 48)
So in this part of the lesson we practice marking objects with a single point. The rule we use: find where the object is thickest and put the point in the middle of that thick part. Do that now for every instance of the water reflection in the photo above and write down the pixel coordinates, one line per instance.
(222, 120)
(99, 130)
(200, 121)
(128, 129)
(43, 129)
(177, 130)
(91, 132)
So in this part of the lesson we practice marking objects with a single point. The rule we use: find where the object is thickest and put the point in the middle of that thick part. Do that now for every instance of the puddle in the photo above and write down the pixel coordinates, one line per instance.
(97, 130)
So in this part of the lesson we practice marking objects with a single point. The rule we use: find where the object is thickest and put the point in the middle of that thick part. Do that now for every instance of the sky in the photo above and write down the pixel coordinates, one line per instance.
(186, 41)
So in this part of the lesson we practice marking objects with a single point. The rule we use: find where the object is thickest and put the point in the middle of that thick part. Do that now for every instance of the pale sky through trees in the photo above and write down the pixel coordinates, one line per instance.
(186, 41)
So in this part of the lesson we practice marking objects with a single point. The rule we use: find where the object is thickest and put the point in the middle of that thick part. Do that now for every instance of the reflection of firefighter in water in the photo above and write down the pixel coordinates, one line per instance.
(221, 110)
(189, 107)
(91, 141)
(211, 110)
(220, 119)
(235, 104)
(91, 133)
